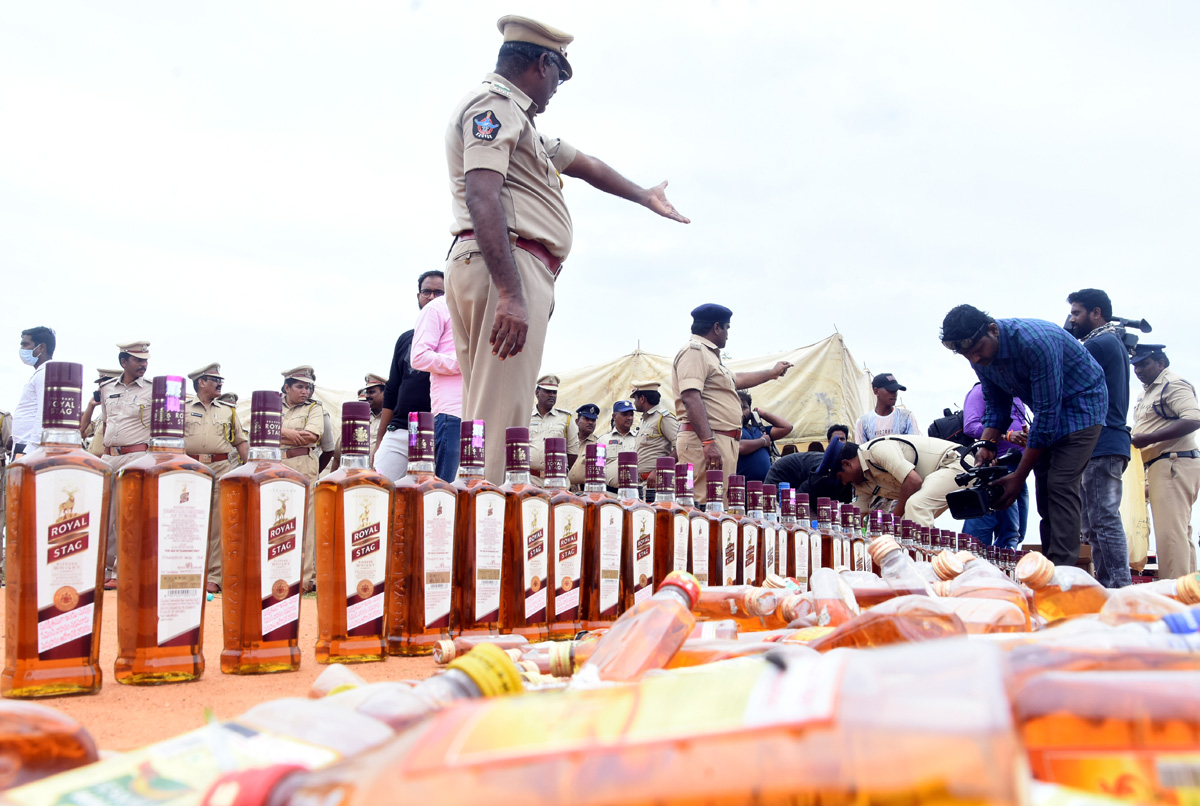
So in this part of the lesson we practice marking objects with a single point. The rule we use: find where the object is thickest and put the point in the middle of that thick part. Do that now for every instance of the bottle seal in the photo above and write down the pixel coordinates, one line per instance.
(356, 427)
(166, 407)
(490, 669)
(685, 582)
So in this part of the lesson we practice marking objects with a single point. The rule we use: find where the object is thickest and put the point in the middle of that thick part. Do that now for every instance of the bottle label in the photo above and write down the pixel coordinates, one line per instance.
(836, 553)
(489, 555)
(70, 515)
(768, 534)
(814, 540)
(700, 550)
(781, 550)
(611, 520)
(535, 514)
(859, 554)
(1148, 776)
(868, 564)
(749, 555)
(642, 540)
(281, 524)
(679, 553)
(729, 551)
(800, 541)
(438, 509)
(184, 499)
(365, 510)
(568, 528)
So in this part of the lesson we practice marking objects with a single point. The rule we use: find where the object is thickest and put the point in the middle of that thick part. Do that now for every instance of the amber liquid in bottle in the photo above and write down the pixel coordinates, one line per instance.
(57, 529)
(1060, 592)
(479, 541)
(746, 540)
(420, 575)
(797, 521)
(262, 505)
(831, 544)
(671, 524)
(529, 568)
(162, 501)
(565, 606)
(707, 561)
(775, 536)
(638, 534)
(353, 510)
(858, 544)
(603, 520)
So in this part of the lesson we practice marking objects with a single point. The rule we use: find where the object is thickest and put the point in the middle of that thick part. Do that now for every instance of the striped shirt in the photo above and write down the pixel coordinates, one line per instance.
(1046, 367)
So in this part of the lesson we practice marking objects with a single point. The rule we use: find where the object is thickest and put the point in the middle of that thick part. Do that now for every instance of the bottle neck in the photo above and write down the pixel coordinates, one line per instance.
(665, 498)
(61, 436)
(422, 468)
(673, 592)
(737, 509)
(629, 492)
(466, 472)
(166, 444)
(772, 516)
(556, 483)
(355, 461)
(517, 477)
(714, 506)
(594, 487)
(274, 454)
(788, 520)
(756, 513)
(686, 500)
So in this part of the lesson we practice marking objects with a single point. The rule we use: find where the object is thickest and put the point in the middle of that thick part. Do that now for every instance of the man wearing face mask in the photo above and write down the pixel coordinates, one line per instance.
(37, 347)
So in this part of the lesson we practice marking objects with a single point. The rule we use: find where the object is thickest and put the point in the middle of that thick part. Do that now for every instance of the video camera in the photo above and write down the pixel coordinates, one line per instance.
(979, 497)
(1129, 324)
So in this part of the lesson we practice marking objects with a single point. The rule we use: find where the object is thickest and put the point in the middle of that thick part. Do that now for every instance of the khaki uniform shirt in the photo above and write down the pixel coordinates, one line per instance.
(210, 429)
(375, 420)
(557, 423)
(886, 462)
(1167, 399)
(656, 437)
(126, 412)
(492, 128)
(616, 444)
(304, 417)
(698, 366)
(575, 475)
(95, 444)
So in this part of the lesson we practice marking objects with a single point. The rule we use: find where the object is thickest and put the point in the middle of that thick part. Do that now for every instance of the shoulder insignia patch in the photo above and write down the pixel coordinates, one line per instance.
(500, 89)
(485, 126)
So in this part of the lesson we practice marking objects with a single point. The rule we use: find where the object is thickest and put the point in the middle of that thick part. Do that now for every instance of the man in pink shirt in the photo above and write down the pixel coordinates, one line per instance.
(433, 352)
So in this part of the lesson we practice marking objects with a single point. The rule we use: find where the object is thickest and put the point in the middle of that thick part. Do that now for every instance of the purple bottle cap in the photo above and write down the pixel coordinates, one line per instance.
(420, 436)
(470, 443)
(664, 476)
(737, 491)
(556, 457)
(824, 509)
(265, 423)
(356, 427)
(714, 480)
(847, 516)
(754, 494)
(516, 450)
(685, 481)
(166, 407)
(770, 497)
(627, 469)
(61, 395)
(787, 503)
(594, 457)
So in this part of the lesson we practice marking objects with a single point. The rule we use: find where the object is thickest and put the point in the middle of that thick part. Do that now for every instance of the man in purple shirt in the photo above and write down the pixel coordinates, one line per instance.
(1004, 528)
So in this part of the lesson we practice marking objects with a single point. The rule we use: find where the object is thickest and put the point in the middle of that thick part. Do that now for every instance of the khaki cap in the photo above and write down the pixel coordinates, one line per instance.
(301, 373)
(548, 382)
(213, 369)
(645, 386)
(105, 374)
(137, 349)
(229, 397)
(374, 380)
(523, 29)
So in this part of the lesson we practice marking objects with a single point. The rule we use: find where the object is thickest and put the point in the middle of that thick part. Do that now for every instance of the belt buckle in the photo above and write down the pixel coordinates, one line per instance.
(206, 458)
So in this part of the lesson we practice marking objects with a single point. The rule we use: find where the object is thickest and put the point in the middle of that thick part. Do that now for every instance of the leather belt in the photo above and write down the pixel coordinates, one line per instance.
(121, 450)
(209, 458)
(733, 433)
(552, 264)
(292, 453)
(1175, 455)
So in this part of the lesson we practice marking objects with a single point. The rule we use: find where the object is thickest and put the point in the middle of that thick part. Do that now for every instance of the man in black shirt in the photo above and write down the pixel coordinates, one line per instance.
(407, 391)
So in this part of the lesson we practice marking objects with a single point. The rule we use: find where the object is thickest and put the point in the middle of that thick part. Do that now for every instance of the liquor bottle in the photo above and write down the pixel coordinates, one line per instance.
(1185, 589)
(162, 500)
(904, 619)
(1060, 591)
(526, 535)
(707, 555)
(697, 652)
(803, 539)
(353, 509)
(787, 535)
(747, 532)
(880, 526)
(849, 530)
(821, 539)
(638, 535)
(262, 505)
(764, 548)
(744, 604)
(858, 543)
(446, 651)
(479, 542)
(774, 537)
(39, 741)
(982, 581)
(910, 536)
(671, 527)
(565, 605)
(57, 532)
(421, 567)
(603, 520)
(647, 635)
(1135, 603)
(685, 481)
(835, 602)
(899, 569)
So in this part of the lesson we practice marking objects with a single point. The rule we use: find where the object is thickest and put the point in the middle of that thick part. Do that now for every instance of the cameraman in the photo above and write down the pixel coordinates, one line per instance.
(1004, 528)
(914, 471)
(1063, 386)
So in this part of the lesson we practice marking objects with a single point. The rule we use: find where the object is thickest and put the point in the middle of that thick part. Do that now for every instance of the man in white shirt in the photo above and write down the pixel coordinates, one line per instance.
(37, 347)
(886, 419)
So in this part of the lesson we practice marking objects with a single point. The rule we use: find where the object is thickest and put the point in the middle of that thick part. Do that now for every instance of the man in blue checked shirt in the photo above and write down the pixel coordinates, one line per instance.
(1065, 390)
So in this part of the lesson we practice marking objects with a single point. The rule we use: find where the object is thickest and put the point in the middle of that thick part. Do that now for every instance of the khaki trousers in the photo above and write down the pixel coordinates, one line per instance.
(1174, 485)
(498, 392)
(215, 573)
(930, 501)
(689, 449)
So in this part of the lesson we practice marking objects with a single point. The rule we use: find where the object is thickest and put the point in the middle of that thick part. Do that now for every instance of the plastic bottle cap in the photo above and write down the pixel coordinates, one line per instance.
(775, 581)
(941, 588)
(1035, 570)
(685, 582)
(247, 787)
(444, 652)
(561, 664)
(881, 547)
(491, 670)
(946, 565)
(1187, 588)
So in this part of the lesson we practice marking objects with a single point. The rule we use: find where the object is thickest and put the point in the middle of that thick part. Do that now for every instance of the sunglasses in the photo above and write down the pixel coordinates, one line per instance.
(962, 345)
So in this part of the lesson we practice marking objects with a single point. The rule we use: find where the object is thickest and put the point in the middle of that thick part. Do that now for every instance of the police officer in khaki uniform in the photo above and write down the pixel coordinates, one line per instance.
(548, 421)
(584, 427)
(125, 414)
(373, 394)
(301, 427)
(1165, 421)
(213, 436)
(658, 432)
(620, 438)
(709, 411)
(92, 430)
(511, 225)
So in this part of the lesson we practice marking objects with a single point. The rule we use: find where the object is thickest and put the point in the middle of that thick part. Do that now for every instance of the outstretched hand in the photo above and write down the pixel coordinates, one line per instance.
(657, 201)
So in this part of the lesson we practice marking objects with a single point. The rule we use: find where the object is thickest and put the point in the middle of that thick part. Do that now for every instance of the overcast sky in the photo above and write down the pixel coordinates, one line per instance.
(261, 183)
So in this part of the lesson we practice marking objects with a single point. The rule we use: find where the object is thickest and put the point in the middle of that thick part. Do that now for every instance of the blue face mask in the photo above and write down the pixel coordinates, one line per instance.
(27, 358)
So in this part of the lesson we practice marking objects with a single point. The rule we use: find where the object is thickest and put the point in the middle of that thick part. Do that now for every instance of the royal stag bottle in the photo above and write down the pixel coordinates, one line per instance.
(566, 545)
(57, 532)
(524, 603)
(638, 535)
(479, 549)
(163, 505)
(826, 548)
(704, 526)
(796, 520)
(670, 523)
(685, 482)
(422, 563)
(774, 537)
(262, 506)
(354, 516)
(602, 523)
(746, 540)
